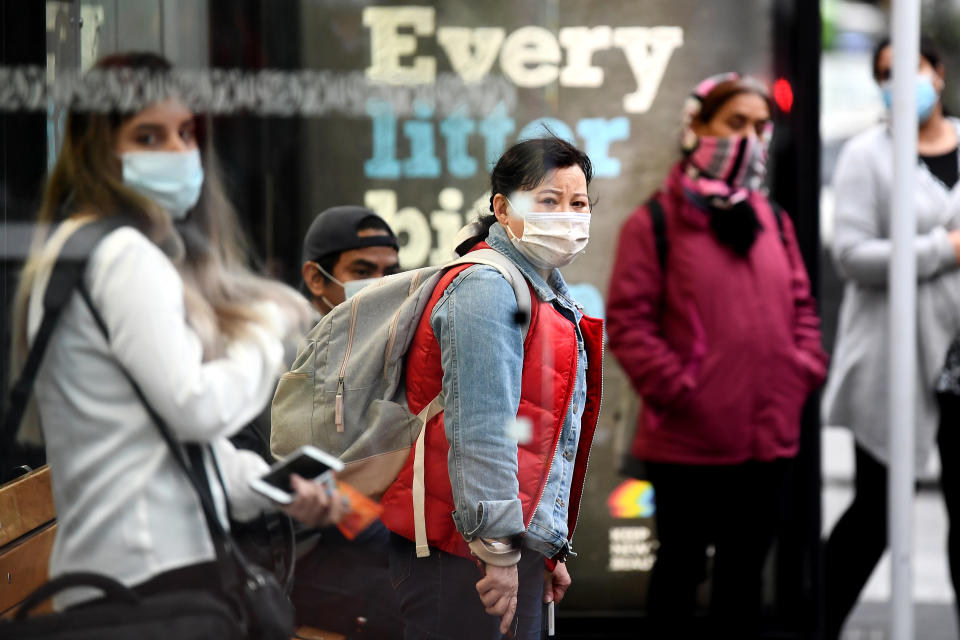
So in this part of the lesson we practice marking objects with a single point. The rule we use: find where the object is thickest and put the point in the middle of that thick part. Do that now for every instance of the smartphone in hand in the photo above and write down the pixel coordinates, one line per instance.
(307, 462)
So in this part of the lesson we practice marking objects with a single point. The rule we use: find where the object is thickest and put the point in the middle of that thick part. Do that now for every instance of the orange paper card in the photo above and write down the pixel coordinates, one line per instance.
(361, 512)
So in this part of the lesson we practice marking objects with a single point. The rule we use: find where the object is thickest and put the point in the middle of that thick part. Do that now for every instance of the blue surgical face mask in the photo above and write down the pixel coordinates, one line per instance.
(172, 179)
(927, 97)
(352, 287)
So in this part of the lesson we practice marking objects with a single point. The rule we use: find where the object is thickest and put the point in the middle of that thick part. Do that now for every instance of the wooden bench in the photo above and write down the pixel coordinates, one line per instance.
(27, 528)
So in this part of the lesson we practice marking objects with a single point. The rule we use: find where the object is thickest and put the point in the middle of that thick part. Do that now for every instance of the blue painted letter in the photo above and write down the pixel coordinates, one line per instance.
(423, 162)
(597, 135)
(495, 128)
(384, 163)
(456, 128)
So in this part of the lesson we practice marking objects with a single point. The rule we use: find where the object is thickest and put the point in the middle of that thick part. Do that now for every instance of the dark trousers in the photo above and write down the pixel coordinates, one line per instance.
(948, 441)
(344, 586)
(859, 538)
(438, 595)
(735, 508)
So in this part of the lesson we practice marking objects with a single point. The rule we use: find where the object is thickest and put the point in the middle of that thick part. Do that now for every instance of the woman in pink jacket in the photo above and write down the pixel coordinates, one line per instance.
(711, 317)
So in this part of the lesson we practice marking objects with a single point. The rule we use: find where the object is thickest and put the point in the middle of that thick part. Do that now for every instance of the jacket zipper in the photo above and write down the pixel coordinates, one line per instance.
(586, 469)
(556, 444)
(392, 335)
(338, 412)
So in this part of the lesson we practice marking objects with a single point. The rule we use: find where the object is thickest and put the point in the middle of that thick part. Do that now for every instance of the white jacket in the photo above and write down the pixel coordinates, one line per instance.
(856, 395)
(124, 507)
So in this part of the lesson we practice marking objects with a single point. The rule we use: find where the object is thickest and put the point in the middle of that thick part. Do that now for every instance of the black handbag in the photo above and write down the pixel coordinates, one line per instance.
(122, 614)
(252, 604)
(268, 540)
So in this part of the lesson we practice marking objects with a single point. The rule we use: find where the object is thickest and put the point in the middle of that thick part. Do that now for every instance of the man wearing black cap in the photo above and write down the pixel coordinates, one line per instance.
(344, 244)
(343, 585)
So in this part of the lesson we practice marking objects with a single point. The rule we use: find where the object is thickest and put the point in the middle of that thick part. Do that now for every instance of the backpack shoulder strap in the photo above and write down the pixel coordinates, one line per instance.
(67, 273)
(505, 266)
(778, 216)
(659, 218)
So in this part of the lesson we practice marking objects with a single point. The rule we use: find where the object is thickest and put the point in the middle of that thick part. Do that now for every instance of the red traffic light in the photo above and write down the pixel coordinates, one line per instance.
(783, 95)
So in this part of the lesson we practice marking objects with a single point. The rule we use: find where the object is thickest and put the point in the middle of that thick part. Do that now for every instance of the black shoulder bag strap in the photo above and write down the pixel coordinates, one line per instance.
(778, 216)
(189, 457)
(67, 273)
(659, 219)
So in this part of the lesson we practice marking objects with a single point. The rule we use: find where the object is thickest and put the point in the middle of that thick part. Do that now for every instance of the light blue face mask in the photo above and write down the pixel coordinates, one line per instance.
(172, 179)
(352, 287)
(927, 97)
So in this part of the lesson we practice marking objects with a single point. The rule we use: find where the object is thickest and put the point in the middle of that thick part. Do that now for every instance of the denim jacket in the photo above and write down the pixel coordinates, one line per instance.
(481, 348)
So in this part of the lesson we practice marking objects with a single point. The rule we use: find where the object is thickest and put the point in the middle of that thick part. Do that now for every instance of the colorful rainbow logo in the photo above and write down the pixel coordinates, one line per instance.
(632, 499)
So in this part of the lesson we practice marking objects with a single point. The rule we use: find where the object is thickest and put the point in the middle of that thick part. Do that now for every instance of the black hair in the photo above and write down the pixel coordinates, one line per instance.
(725, 91)
(327, 263)
(330, 260)
(928, 51)
(146, 60)
(522, 167)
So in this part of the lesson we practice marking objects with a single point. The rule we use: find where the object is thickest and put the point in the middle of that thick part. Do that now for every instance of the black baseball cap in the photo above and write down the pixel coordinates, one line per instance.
(334, 230)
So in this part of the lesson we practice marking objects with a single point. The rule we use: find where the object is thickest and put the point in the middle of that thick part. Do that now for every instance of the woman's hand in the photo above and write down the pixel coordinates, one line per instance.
(557, 583)
(315, 505)
(955, 241)
(498, 593)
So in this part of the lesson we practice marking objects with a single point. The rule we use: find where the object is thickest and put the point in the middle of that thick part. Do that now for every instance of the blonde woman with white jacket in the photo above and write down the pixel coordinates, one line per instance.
(200, 334)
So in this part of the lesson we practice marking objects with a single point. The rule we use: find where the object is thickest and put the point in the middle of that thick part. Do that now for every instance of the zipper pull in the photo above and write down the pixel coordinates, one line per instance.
(338, 417)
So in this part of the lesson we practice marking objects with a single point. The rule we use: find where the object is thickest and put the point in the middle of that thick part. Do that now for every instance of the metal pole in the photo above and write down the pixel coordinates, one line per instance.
(903, 295)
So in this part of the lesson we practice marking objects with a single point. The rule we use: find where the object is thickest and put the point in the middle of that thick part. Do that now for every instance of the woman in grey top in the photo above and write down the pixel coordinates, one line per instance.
(857, 386)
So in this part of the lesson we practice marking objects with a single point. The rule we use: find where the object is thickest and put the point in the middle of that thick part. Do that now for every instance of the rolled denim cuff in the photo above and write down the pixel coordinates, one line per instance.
(493, 519)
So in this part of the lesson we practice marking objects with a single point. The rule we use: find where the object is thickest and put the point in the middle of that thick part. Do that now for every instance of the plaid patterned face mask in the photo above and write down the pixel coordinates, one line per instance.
(737, 162)
(722, 169)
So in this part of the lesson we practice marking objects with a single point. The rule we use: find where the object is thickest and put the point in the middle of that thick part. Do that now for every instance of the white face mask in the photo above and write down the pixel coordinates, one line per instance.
(552, 240)
(172, 179)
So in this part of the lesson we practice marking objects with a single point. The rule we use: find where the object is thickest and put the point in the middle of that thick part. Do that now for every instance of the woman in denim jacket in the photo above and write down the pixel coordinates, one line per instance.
(505, 461)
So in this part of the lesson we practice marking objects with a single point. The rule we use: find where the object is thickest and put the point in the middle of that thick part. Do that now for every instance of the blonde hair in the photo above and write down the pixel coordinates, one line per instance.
(208, 249)
(219, 287)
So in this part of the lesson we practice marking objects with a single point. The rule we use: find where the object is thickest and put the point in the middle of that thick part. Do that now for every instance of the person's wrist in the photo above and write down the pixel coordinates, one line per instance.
(498, 552)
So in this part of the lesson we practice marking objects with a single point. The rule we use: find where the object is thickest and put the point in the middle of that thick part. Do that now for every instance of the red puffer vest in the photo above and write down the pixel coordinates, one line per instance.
(549, 373)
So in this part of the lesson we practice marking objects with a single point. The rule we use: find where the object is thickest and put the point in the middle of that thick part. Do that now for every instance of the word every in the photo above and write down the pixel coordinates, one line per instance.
(529, 56)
